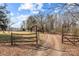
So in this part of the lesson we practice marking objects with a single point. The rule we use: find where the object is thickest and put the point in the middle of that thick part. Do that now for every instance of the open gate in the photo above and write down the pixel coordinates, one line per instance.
(69, 37)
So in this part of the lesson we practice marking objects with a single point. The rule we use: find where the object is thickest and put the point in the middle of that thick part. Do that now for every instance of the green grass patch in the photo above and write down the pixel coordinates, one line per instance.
(4, 37)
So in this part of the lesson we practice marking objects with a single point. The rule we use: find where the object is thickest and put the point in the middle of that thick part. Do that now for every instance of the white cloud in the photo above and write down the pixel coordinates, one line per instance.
(35, 12)
(16, 21)
(25, 6)
(33, 7)
(22, 17)
(40, 5)
(16, 25)
(56, 10)
(11, 14)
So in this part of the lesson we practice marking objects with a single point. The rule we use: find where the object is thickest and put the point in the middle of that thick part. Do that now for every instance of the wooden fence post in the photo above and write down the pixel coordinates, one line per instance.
(62, 34)
(11, 39)
(37, 45)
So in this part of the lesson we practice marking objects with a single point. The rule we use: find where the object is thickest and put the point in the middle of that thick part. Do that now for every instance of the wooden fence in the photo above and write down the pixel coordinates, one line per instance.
(30, 37)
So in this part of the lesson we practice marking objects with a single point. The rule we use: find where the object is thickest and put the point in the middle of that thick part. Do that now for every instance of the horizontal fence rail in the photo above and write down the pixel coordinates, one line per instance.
(25, 37)
(69, 37)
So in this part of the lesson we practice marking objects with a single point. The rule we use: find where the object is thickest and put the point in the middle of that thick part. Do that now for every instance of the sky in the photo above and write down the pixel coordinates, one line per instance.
(21, 11)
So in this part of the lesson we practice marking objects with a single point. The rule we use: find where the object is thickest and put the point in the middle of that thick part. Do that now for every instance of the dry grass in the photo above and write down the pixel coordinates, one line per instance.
(50, 45)
(29, 50)
(70, 50)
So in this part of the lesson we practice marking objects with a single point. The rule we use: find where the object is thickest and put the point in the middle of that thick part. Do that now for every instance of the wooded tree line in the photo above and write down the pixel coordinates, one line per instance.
(68, 15)
(4, 20)
(53, 22)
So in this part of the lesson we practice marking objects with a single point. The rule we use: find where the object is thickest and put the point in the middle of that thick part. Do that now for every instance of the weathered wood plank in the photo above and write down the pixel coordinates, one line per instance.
(24, 34)
(26, 41)
(70, 40)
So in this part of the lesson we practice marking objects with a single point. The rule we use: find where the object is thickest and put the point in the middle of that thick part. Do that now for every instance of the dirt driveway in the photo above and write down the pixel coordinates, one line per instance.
(53, 43)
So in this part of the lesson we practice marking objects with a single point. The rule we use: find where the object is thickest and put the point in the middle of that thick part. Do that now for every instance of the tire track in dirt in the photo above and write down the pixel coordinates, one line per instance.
(53, 43)
(57, 47)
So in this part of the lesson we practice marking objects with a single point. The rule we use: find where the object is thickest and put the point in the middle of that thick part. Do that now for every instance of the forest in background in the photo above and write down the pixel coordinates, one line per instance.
(68, 16)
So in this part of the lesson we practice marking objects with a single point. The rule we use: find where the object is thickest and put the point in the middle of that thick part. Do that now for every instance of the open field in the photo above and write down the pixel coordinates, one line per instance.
(50, 45)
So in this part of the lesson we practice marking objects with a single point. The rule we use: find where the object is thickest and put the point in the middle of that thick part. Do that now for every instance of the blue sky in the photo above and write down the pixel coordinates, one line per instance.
(21, 11)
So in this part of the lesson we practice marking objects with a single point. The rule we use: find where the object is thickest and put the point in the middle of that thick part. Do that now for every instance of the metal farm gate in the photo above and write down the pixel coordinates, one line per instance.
(69, 37)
